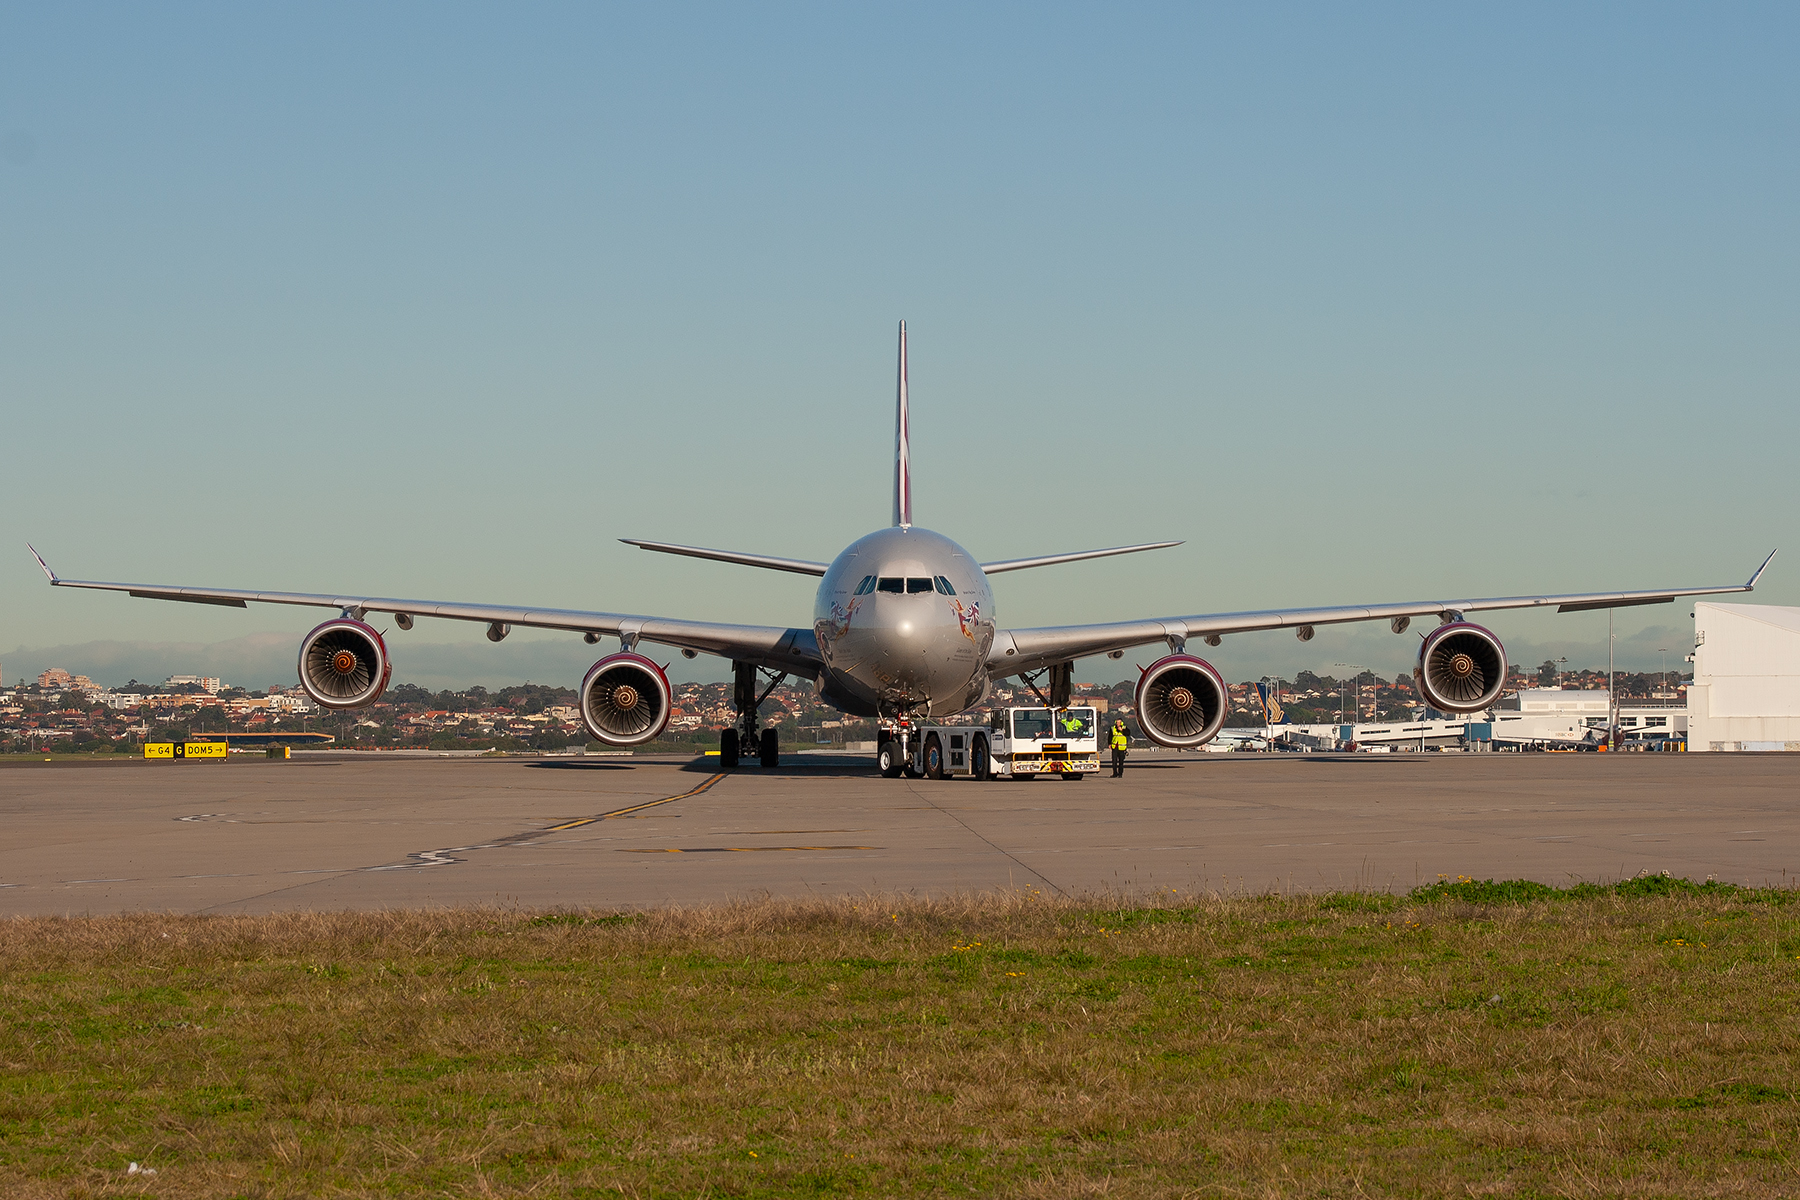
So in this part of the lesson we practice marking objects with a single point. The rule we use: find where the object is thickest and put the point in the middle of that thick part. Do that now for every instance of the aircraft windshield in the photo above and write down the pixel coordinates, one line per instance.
(1033, 723)
(918, 585)
(890, 584)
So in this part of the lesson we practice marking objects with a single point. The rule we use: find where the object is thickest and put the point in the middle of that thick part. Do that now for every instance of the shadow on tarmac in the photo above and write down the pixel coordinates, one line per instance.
(815, 768)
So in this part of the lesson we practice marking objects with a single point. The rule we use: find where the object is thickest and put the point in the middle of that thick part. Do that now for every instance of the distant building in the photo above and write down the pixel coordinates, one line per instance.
(1561, 702)
(55, 677)
(205, 683)
(1746, 689)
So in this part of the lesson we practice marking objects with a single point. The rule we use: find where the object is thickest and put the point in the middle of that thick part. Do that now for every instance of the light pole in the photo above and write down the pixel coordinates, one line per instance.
(1663, 672)
(1612, 689)
(1356, 677)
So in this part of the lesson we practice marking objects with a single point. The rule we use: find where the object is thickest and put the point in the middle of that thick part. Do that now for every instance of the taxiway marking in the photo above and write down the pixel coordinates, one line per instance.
(731, 849)
(444, 857)
(619, 812)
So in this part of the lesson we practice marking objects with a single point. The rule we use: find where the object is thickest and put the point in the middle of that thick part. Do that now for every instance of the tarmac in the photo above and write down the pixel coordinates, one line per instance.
(368, 831)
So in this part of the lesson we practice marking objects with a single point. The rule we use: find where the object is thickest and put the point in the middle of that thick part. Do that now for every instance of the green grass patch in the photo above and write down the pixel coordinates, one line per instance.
(1474, 1037)
(1523, 891)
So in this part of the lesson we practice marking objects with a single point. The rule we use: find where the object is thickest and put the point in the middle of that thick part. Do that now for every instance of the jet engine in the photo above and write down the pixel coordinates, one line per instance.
(625, 700)
(344, 664)
(1181, 702)
(1462, 667)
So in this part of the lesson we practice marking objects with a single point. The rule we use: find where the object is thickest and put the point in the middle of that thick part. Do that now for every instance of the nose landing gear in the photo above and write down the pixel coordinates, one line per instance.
(894, 753)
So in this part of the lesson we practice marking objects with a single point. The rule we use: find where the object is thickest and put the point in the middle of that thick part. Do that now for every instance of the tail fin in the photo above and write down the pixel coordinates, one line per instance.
(902, 446)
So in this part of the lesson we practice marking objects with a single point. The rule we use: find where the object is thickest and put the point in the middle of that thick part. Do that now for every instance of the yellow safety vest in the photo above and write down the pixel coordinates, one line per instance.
(1118, 739)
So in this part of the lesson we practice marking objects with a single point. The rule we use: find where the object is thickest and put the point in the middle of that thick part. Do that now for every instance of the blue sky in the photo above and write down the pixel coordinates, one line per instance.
(1368, 304)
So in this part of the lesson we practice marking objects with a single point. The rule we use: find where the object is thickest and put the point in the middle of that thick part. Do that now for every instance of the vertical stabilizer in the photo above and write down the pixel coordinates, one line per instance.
(902, 446)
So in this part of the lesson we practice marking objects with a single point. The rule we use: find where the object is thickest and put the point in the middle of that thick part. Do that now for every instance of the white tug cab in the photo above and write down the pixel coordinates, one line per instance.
(1015, 743)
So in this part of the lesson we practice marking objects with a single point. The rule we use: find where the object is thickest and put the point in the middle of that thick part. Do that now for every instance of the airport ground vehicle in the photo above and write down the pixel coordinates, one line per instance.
(1016, 743)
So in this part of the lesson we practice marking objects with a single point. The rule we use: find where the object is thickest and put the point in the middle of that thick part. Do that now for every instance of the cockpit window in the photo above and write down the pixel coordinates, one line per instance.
(891, 584)
(866, 586)
(944, 588)
(918, 585)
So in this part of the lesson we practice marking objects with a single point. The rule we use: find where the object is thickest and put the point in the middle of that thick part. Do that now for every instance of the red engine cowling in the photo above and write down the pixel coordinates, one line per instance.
(625, 700)
(1181, 702)
(1462, 668)
(344, 664)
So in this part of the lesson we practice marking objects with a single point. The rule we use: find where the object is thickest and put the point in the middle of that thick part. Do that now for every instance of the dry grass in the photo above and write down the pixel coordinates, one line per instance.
(1458, 1044)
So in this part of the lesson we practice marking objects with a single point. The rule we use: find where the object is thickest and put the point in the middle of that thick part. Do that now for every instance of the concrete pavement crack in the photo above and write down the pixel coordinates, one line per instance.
(987, 840)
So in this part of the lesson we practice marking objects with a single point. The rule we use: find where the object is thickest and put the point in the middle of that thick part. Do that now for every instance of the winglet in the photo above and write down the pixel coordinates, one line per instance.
(902, 445)
(51, 575)
(1751, 586)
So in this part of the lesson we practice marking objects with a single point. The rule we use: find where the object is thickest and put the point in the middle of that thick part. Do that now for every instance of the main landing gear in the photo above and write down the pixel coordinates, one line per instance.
(746, 738)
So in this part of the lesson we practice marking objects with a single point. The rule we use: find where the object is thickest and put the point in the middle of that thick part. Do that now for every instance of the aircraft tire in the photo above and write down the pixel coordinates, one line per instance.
(771, 749)
(888, 759)
(728, 750)
(934, 758)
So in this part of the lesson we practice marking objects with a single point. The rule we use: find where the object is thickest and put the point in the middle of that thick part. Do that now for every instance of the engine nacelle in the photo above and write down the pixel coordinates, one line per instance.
(625, 700)
(1462, 668)
(1181, 702)
(344, 664)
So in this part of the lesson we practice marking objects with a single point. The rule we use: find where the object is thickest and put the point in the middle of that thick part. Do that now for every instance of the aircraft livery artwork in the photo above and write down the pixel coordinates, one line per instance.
(903, 629)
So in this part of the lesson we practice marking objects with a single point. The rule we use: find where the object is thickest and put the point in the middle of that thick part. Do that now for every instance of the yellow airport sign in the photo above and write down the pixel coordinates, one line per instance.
(185, 749)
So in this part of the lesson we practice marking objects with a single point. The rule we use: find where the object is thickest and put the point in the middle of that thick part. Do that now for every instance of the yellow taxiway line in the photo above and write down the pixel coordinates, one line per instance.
(619, 812)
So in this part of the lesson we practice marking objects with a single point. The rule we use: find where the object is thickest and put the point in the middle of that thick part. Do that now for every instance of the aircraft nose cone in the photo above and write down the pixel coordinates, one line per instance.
(904, 629)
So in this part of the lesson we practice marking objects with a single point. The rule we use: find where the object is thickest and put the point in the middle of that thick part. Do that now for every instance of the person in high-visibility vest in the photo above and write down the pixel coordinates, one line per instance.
(1119, 744)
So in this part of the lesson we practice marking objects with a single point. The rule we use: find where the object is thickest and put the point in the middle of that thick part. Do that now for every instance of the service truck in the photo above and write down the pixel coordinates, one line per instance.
(1015, 743)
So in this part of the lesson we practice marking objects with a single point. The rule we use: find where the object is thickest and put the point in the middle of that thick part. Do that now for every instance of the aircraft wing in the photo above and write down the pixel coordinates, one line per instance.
(794, 651)
(1017, 650)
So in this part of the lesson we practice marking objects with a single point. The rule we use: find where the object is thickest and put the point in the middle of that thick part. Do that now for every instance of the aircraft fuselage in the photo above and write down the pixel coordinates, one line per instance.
(905, 619)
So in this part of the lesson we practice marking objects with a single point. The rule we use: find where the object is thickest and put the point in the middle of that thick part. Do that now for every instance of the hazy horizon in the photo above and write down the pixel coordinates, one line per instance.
(258, 660)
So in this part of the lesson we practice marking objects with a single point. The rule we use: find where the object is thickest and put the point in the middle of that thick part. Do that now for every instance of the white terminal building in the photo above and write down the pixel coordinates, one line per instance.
(1746, 689)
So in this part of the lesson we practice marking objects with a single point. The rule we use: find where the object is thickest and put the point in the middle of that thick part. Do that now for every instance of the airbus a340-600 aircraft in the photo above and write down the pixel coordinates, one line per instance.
(903, 628)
